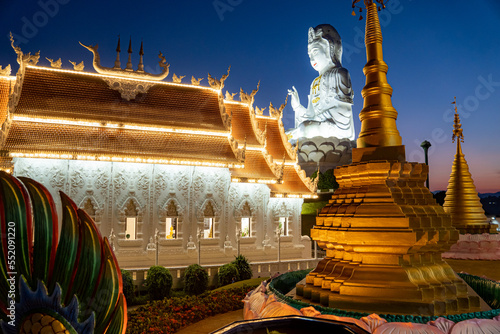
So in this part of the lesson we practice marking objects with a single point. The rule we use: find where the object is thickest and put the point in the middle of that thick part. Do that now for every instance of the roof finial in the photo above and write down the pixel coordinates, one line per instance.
(128, 71)
(118, 50)
(140, 67)
(457, 126)
(129, 62)
(367, 3)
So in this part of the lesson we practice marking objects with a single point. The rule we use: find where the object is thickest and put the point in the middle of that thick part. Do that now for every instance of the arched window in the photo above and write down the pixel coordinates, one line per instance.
(283, 219)
(208, 221)
(171, 222)
(246, 223)
(283, 225)
(131, 221)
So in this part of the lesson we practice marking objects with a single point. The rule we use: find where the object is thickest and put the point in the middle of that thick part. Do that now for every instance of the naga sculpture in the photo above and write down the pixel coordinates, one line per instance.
(51, 280)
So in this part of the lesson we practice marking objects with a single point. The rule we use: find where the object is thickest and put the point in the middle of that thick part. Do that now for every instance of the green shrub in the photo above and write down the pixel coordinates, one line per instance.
(195, 280)
(286, 282)
(326, 180)
(128, 286)
(158, 282)
(140, 300)
(244, 269)
(178, 293)
(227, 274)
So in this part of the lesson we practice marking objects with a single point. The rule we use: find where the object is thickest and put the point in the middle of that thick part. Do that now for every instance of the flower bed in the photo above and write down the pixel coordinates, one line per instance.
(170, 315)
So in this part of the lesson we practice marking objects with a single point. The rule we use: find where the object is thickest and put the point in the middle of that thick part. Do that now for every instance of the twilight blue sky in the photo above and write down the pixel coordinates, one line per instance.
(435, 50)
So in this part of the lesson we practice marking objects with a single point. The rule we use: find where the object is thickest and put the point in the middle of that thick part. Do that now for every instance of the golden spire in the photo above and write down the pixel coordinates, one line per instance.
(379, 137)
(118, 50)
(129, 62)
(457, 126)
(462, 201)
(140, 67)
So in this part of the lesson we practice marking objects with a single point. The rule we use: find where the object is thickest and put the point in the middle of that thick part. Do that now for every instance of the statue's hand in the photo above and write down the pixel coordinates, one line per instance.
(295, 97)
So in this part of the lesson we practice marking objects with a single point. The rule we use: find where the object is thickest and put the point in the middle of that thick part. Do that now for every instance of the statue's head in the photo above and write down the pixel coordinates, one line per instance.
(324, 47)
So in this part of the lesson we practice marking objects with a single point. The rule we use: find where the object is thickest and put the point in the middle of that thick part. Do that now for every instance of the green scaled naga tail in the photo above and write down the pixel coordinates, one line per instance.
(49, 283)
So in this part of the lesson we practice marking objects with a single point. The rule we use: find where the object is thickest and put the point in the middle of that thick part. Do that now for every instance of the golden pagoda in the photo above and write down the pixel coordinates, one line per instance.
(462, 201)
(382, 230)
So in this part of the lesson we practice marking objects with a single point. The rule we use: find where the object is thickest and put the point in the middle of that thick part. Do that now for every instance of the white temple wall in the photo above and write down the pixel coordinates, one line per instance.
(115, 194)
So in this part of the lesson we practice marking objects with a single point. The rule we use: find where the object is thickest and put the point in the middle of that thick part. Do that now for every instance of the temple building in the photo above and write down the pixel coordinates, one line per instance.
(148, 158)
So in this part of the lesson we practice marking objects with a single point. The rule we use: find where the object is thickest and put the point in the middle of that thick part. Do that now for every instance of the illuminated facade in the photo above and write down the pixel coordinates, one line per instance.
(142, 155)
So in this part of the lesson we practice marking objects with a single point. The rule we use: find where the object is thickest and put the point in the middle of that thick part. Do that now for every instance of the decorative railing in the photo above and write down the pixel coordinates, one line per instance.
(259, 269)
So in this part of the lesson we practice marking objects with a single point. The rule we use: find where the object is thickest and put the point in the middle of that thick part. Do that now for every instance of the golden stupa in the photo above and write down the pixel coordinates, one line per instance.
(382, 230)
(462, 201)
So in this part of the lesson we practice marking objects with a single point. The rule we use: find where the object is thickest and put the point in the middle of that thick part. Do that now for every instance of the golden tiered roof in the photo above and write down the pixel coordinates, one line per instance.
(295, 181)
(277, 142)
(61, 94)
(70, 114)
(462, 201)
(259, 164)
(5, 86)
(26, 139)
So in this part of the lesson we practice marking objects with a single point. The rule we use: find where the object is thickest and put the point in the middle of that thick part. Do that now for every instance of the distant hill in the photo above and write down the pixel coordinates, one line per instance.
(485, 195)
(497, 194)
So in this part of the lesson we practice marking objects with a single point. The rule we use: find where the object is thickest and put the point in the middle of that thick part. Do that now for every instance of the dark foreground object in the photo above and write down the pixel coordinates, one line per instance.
(290, 325)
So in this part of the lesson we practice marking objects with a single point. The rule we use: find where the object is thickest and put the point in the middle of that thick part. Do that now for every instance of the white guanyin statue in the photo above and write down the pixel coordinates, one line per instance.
(329, 109)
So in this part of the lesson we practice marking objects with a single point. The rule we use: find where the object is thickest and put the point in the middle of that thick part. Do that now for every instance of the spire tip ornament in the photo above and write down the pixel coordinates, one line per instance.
(366, 4)
(129, 62)
(118, 50)
(457, 126)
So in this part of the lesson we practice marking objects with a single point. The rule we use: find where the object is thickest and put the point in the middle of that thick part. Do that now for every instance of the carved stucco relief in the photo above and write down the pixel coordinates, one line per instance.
(104, 188)
(160, 183)
(92, 207)
(77, 182)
